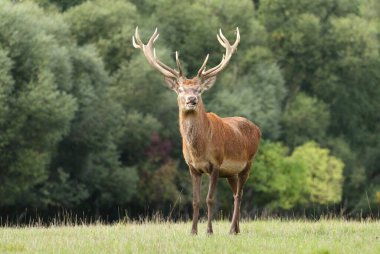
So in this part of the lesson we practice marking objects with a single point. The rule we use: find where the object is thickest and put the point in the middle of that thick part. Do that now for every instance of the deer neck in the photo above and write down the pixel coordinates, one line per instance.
(194, 126)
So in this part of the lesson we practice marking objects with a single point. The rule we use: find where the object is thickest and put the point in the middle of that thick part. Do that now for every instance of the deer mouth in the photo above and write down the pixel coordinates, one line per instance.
(191, 105)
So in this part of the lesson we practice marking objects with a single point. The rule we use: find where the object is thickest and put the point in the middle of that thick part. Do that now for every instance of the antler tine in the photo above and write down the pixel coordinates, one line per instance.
(237, 38)
(216, 67)
(226, 57)
(135, 38)
(203, 67)
(221, 38)
(179, 66)
(150, 54)
(178, 73)
(153, 38)
(134, 43)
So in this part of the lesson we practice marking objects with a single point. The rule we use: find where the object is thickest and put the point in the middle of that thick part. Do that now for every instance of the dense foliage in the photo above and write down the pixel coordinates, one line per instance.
(86, 124)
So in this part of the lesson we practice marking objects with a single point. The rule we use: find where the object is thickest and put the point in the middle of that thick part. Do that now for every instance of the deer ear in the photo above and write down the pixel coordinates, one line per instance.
(208, 83)
(171, 83)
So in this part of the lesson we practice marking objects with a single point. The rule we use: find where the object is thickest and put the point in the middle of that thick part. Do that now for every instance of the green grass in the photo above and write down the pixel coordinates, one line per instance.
(273, 236)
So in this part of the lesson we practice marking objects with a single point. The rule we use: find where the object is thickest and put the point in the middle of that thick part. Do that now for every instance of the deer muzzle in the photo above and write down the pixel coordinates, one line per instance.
(191, 102)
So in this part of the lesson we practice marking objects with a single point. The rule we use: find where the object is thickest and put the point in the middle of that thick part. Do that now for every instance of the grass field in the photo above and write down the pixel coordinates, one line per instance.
(271, 236)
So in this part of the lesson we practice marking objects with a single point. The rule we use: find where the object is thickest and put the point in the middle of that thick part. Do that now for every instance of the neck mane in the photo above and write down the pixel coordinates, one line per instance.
(194, 125)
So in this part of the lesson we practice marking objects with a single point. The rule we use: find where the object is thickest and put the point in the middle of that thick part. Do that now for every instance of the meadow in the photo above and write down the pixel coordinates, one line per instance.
(260, 236)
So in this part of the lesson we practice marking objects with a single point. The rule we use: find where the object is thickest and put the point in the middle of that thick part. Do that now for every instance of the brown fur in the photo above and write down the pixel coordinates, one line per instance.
(220, 147)
(209, 139)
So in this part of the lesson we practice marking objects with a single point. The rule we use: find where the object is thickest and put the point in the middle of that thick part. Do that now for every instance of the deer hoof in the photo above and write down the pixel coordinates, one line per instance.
(234, 231)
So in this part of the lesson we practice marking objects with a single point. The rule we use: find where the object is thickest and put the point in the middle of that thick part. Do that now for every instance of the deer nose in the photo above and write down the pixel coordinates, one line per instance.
(192, 100)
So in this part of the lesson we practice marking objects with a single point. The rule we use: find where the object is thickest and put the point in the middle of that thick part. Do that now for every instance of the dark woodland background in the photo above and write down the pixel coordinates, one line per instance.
(87, 127)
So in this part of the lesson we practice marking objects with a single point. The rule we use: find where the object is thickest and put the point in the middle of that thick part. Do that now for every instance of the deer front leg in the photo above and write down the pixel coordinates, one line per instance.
(214, 175)
(196, 182)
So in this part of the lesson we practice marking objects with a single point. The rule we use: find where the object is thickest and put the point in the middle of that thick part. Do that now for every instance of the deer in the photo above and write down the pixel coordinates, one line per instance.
(218, 147)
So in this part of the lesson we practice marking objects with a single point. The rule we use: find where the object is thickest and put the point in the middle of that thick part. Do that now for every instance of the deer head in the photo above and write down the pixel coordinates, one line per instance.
(189, 91)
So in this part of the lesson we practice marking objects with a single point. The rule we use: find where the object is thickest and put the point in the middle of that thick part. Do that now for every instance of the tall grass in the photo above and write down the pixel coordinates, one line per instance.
(261, 236)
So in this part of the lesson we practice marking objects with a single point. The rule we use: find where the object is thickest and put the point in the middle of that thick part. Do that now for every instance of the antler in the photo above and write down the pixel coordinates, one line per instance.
(202, 73)
(150, 55)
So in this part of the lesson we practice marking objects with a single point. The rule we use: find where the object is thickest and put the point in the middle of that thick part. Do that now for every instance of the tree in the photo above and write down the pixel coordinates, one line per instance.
(257, 97)
(305, 119)
(37, 106)
(62, 5)
(277, 181)
(324, 173)
(299, 37)
(89, 153)
(329, 50)
(85, 121)
(109, 28)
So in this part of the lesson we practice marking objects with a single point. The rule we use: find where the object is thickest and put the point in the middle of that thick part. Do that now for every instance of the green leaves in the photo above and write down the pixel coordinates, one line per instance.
(6, 86)
(108, 27)
(310, 175)
(86, 122)
(323, 180)
(36, 108)
(305, 119)
(277, 180)
(257, 97)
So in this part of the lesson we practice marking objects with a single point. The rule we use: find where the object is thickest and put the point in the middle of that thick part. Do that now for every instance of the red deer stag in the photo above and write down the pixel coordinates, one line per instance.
(219, 147)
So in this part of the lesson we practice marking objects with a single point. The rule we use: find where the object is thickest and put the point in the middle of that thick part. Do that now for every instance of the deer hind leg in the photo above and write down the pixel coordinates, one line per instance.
(232, 181)
(214, 175)
(196, 183)
(239, 182)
